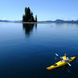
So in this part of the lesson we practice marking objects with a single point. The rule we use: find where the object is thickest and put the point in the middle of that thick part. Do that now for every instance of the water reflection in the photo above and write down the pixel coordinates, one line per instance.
(67, 68)
(28, 28)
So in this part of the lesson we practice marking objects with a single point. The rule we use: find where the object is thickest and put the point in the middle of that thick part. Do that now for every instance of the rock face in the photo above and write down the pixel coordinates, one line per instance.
(28, 17)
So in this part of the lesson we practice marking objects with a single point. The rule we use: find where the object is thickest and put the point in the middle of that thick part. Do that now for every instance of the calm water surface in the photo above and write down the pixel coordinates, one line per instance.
(26, 50)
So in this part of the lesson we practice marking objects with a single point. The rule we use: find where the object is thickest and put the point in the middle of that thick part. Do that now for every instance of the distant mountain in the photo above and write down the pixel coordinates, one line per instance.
(17, 21)
(10, 21)
(4, 21)
(67, 21)
(60, 21)
(48, 21)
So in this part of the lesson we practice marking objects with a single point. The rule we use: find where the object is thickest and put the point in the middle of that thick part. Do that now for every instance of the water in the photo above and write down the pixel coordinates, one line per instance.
(26, 51)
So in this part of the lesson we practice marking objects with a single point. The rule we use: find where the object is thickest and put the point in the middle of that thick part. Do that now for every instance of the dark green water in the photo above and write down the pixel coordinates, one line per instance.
(26, 51)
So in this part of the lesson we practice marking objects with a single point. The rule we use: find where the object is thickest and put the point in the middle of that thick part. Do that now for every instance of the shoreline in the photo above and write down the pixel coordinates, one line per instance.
(30, 22)
(41, 22)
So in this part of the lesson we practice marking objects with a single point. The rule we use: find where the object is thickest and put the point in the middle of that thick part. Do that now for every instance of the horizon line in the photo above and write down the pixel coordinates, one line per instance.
(40, 20)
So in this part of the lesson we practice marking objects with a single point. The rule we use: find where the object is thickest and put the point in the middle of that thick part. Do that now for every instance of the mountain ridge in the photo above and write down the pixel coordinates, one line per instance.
(47, 21)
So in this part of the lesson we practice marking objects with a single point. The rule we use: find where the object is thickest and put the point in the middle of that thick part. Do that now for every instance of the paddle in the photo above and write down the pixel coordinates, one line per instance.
(60, 58)
(57, 56)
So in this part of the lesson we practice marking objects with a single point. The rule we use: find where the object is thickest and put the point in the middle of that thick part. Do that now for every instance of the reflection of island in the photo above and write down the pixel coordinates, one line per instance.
(28, 28)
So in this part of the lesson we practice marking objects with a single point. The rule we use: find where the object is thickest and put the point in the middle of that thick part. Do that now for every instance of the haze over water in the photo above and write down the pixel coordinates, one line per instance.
(26, 50)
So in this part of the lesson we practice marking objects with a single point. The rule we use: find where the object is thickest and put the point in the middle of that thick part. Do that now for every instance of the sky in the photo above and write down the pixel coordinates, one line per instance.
(44, 9)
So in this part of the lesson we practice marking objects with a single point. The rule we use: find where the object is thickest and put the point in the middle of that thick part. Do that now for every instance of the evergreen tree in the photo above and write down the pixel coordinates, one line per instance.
(28, 17)
(36, 18)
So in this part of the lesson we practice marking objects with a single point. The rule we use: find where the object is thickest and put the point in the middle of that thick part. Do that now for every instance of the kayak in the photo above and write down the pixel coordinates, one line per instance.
(61, 63)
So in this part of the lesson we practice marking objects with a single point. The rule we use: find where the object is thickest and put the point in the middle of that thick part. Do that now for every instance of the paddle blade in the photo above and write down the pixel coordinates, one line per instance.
(69, 64)
(56, 54)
